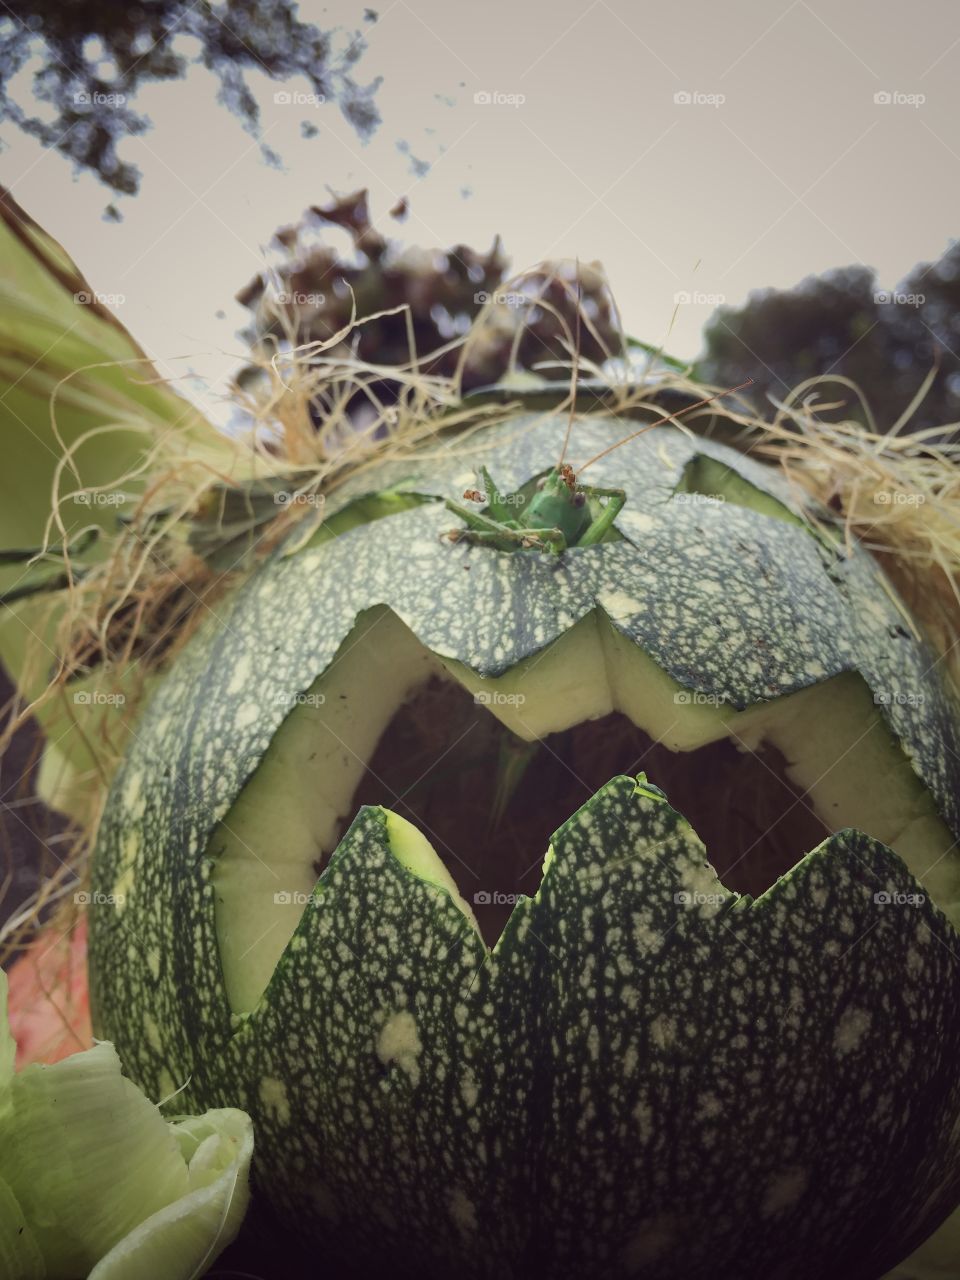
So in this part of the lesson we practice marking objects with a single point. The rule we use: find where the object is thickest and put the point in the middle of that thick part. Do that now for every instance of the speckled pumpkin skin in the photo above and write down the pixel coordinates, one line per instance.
(625, 1086)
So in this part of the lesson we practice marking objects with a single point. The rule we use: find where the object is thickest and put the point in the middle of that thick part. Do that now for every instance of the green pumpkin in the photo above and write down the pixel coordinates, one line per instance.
(648, 1072)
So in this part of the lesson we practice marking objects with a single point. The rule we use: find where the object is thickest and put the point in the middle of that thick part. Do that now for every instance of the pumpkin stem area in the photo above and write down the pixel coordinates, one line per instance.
(489, 802)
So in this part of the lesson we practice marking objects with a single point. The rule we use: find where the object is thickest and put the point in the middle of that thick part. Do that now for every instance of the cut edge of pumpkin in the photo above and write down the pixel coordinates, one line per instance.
(292, 812)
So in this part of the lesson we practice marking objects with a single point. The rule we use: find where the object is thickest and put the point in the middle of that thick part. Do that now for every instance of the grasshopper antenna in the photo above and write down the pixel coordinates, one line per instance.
(669, 417)
(573, 379)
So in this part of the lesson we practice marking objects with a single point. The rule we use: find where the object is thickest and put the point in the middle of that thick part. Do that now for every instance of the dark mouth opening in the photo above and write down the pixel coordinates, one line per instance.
(489, 802)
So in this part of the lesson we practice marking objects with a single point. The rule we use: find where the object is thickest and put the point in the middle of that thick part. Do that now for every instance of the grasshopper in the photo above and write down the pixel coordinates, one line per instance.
(563, 512)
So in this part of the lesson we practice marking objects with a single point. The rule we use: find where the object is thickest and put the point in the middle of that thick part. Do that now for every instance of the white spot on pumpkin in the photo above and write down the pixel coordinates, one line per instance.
(247, 715)
(399, 1043)
(642, 521)
(240, 675)
(783, 1191)
(273, 1096)
(593, 1043)
(850, 1030)
(152, 1032)
(663, 1031)
(462, 1211)
(131, 789)
(122, 887)
(618, 604)
(643, 1114)
(468, 1090)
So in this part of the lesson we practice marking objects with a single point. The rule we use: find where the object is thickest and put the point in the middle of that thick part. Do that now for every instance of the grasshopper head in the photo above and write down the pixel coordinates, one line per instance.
(559, 504)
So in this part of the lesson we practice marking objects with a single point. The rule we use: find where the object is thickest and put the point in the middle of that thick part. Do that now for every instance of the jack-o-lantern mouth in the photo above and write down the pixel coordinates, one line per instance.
(489, 801)
(489, 769)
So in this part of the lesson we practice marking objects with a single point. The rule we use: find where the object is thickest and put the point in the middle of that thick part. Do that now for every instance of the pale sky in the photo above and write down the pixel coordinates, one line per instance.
(781, 163)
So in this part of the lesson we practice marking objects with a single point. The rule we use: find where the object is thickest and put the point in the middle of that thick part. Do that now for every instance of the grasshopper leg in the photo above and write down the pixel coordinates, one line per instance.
(614, 505)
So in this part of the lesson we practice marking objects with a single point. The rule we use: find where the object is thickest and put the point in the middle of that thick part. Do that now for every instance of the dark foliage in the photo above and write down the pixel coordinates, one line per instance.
(842, 322)
(312, 293)
(93, 56)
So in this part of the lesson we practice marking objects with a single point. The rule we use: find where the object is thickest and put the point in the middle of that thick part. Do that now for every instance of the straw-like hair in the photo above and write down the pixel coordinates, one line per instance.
(127, 616)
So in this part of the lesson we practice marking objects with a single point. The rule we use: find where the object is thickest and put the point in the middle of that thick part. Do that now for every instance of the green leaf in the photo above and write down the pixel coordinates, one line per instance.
(94, 1181)
(20, 1256)
(184, 1238)
(72, 378)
